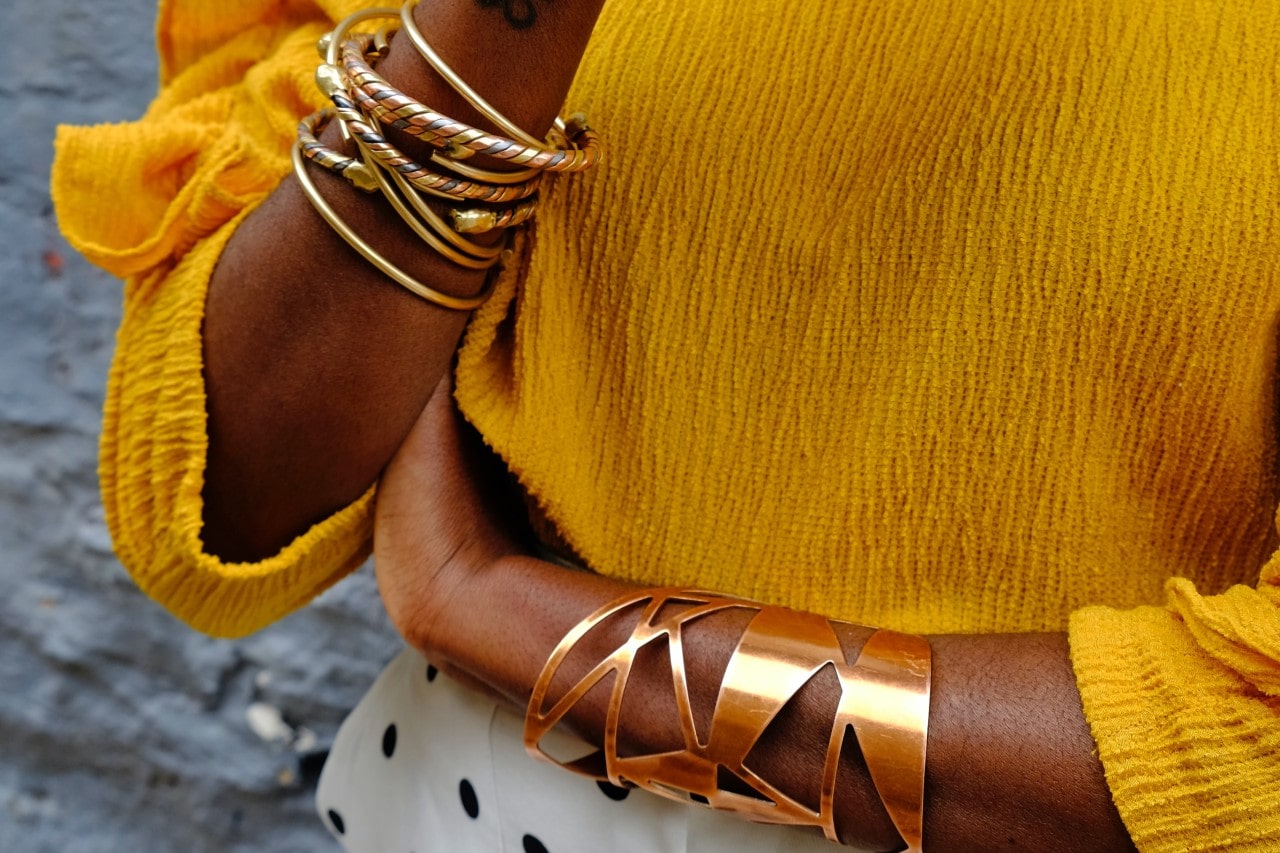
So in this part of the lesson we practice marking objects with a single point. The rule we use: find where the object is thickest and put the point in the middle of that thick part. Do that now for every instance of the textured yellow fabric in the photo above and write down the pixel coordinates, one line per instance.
(154, 201)
(949, 315)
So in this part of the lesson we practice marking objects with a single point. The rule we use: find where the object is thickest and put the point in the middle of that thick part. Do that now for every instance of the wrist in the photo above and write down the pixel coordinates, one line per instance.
(758, 724)
(506, 616)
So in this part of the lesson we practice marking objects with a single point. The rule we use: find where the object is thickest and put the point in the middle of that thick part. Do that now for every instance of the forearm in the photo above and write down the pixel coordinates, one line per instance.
(1011, 761)
(316, 365)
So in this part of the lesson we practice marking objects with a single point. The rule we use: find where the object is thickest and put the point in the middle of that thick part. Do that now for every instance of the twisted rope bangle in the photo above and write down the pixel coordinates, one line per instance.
(392, 158)
(355, 171)
(399, 276)
(393, 108)
(365, 175)
(474, 220)
(374, 46)
(326, 76)
(398, 110)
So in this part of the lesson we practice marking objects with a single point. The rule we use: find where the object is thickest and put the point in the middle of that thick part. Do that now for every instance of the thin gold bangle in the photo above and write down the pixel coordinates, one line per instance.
(436, 233)
(337, 34)
(399, 276)
(473, 220)
(331, 44)
(366, 176)
(410, 28)
(478, 218)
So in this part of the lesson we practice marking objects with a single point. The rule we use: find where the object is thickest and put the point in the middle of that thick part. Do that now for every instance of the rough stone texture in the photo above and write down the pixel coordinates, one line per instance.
(120, 729)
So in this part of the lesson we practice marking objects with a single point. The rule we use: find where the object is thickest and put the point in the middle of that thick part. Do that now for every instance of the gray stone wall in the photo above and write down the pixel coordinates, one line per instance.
(120, 729)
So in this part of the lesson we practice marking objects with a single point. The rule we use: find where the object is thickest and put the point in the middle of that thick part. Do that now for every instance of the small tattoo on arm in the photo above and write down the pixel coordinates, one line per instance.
(520, 14)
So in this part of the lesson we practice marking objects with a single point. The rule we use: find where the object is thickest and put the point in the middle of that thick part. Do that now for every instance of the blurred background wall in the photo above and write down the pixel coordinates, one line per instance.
(120, 729)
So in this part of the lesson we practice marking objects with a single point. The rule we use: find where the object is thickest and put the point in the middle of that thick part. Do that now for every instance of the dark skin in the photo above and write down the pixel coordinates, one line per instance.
(1011, 761)
(312, 354)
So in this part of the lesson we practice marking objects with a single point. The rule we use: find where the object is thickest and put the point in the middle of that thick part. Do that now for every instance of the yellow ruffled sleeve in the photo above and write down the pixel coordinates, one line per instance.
(1184, 702)
(154, 202)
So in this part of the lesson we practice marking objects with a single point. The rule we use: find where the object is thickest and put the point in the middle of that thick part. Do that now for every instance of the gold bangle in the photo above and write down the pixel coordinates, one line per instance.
(390, 157)
(467, 220)
(354, 171)
(475, 220)
(406, 107)
(364, 176)
(367, 176)
(884, 699)
(330, 44)
(399, 276)
(356, 80)
(410, 28)
(436, 233)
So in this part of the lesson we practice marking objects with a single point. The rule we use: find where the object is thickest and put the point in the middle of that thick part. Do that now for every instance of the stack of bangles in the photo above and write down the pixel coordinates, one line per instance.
(482, 199)
(884, 701)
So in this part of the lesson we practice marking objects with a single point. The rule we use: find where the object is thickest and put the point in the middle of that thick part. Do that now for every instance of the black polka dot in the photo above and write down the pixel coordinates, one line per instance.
(612, 791)
(469, 802)
(389, 741)
(533, 845)
(432, 672)
(336, 820)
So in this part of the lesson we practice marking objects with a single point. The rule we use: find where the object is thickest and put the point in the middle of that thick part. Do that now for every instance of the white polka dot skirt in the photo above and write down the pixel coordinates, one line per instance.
(423, 764)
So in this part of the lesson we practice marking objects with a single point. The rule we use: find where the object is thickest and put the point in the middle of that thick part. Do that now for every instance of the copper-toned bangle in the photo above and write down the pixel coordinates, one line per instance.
(884, 699)
(390, 157)
(368, 177)
(393, 108)
(390, 107)
(355, 171)
(474, 220)
(374, 45)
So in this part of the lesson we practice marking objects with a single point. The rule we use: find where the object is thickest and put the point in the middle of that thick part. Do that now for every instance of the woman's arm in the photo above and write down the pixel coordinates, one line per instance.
(1011, 761)
(315, 364)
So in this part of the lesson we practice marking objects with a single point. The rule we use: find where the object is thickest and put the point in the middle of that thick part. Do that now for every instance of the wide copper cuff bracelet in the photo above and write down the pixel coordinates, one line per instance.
(884, 700)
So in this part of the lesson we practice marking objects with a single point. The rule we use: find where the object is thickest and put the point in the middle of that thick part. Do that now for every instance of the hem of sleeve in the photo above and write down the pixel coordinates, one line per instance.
(234, 599)
(152, 460)
(1187, 745)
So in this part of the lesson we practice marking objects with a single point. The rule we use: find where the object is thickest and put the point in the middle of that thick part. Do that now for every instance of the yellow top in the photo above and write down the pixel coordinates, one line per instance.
(947, 315)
